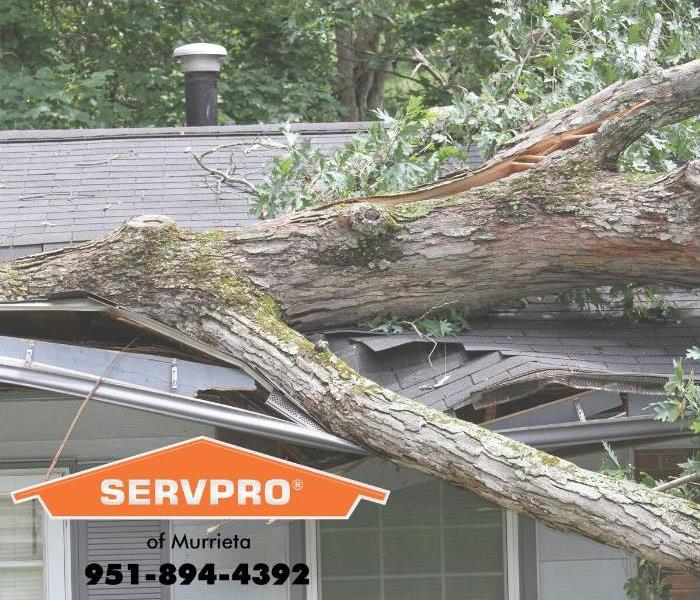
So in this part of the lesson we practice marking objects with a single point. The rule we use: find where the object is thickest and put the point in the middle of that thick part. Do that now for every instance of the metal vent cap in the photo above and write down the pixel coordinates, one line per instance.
(199, 57)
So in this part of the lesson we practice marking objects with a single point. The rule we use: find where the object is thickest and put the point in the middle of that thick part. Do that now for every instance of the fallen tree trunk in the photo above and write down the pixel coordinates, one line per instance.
(564, 222)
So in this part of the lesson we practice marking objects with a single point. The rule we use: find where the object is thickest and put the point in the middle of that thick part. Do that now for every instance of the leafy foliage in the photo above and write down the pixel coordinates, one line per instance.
(557, 53)
(400, 151)
(612, 467)
(441, 324)
(682, 402)
(693, 353)
(550, 55)
(451, 35)
(634, 303)
(682, 398)
(106, 63)
(649, 584)
(650, 581)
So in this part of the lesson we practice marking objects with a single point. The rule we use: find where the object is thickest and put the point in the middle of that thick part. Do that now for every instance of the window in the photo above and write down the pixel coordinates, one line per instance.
(32, 549)
(432, 541)
(270, 543)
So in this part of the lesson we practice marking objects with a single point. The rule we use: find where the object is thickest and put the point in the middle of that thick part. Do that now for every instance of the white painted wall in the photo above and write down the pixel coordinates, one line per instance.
(32, 426)
(572, 567)
(575, 568)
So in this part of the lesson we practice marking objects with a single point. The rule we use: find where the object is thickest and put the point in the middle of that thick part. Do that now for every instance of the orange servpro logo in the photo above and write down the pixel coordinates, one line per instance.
(201, 478)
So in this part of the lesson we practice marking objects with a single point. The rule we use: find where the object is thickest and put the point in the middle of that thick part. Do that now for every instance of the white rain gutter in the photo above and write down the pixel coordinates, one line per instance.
(74, 383)
(575, 433)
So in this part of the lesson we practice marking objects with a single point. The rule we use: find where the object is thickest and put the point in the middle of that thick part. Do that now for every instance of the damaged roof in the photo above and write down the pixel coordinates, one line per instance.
(513, 354)
(64, 187)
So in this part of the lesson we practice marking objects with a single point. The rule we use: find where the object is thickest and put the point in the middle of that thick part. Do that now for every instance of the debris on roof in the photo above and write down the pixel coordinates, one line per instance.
(505, 357)
(61, 187)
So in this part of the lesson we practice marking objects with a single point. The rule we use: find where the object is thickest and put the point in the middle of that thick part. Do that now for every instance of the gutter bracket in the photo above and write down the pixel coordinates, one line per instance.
(173, 374)
(29, 354)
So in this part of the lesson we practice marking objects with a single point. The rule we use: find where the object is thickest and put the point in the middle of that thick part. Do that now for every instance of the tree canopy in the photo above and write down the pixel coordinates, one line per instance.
(107, 63)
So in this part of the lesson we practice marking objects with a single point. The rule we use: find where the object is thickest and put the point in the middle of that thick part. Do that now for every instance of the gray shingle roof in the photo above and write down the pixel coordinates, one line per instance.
(511, 355)
(61, 187)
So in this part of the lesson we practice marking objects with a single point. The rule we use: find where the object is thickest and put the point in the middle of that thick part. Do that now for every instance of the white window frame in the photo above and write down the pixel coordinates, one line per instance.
(512, 556)
(57, 555)
(311, 532)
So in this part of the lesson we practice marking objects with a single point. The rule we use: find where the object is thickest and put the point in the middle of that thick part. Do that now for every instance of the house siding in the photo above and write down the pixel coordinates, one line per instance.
(572, 567)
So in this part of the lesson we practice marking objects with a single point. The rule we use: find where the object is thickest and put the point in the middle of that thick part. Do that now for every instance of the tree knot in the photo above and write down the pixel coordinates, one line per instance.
(321, 346)
(370, 218)
(152, 222)
(692, 175)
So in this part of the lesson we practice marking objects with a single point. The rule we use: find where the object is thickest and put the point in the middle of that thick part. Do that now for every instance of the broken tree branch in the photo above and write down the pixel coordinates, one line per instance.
(669, 485)
(650, 58)
(82, 407)
(227, 177)
(422, 62)
(607, 122)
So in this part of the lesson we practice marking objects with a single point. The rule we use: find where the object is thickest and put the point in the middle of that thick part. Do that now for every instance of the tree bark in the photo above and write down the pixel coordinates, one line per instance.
(345, 90)
(363, 67)
(565, 222)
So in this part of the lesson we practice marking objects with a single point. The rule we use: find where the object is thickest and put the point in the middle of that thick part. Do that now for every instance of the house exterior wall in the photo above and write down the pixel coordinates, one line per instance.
(32, 424)
(573, 567)
(424, 519)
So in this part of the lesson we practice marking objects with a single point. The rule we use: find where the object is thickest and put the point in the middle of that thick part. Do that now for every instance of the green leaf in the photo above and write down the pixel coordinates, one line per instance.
(693, 353)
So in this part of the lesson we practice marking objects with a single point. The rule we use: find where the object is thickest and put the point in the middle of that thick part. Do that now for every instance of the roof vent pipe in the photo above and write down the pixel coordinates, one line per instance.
(200, 64)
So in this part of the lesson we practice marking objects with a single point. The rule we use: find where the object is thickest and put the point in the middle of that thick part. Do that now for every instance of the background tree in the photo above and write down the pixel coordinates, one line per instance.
(550, 55)
(107, 63)
(682, 403)
(387, 49)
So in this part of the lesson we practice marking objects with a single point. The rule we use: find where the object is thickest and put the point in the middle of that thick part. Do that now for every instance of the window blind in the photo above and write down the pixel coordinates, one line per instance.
(21, 543)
